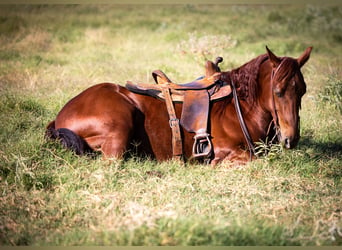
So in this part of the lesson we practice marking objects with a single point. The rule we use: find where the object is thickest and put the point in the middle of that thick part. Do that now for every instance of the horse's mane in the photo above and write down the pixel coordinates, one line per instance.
(246, 78)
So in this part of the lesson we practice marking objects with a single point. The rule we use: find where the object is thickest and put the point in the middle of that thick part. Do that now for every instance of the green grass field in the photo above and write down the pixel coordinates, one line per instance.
(49, 196)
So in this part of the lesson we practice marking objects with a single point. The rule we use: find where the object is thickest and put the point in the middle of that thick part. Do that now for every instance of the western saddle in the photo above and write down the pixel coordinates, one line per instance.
(196, 97)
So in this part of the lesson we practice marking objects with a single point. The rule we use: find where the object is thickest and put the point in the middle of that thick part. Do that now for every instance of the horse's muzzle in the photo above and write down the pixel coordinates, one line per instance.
(289, 142)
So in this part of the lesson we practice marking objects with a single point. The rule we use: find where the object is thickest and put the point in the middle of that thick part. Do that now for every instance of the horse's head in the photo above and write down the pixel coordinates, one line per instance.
(288, 87)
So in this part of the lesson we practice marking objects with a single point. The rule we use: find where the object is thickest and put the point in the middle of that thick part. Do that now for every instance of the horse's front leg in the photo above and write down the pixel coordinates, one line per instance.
(113, 145)
(230, 158)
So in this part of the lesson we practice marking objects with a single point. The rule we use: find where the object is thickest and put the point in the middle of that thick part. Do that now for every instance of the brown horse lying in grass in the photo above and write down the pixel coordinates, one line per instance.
(113, 120)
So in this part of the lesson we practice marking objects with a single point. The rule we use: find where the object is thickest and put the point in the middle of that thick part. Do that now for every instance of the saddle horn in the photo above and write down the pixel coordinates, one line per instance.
(218, 60)
(212, 67)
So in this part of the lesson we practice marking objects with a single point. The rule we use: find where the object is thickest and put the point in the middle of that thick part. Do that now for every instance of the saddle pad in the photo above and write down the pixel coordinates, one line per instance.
(195, 110)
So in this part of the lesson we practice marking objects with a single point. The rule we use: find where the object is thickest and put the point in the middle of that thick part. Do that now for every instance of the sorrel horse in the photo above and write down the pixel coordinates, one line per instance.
(113, 120)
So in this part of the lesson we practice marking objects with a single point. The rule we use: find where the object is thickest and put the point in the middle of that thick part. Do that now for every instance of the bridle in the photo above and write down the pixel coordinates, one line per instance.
(275, 117)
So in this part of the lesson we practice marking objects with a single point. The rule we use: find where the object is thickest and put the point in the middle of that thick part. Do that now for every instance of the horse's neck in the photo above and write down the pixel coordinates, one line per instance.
(264, 98)
(264, 102)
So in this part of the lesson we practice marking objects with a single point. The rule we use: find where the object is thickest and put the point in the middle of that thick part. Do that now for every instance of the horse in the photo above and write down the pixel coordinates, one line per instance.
(109, 118)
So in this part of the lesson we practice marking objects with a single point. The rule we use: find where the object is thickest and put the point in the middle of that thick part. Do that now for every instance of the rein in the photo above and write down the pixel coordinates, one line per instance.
(242, 122)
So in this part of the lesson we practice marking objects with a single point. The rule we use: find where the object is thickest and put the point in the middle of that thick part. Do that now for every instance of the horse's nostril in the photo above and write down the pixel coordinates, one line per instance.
(287, 143)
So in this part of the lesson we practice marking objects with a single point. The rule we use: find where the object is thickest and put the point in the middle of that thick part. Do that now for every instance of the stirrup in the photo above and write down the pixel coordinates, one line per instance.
(202, 146)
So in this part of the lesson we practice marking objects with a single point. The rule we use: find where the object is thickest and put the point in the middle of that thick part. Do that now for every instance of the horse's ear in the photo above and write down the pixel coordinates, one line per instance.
(273, 58)
(304, 57)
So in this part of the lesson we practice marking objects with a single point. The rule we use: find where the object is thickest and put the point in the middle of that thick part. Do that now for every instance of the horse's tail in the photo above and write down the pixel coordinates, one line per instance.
(68, 139)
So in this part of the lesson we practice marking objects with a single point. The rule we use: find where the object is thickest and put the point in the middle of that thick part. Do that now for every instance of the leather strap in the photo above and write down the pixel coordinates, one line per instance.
(242, 123)
(274, 110)
(177, 147)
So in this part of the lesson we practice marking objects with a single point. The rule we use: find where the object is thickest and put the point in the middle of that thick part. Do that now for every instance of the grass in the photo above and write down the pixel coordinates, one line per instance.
(49, 196)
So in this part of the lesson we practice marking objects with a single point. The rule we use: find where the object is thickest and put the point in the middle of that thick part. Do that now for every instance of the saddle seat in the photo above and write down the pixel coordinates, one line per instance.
(196, 97)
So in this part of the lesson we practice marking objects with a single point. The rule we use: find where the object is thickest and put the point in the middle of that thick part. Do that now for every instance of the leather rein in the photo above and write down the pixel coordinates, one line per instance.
(243, 126)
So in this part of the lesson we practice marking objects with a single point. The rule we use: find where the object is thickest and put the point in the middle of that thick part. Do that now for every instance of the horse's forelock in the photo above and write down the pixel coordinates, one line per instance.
(287, 68)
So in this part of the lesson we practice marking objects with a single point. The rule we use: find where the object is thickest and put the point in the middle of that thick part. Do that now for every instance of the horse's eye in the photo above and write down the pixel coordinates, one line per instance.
(278, 93)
